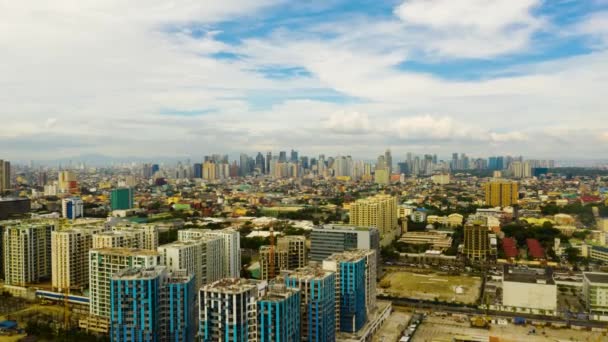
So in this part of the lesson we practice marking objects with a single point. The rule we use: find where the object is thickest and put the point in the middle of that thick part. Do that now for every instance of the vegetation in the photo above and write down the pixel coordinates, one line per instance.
(167, 236)
(584, 212)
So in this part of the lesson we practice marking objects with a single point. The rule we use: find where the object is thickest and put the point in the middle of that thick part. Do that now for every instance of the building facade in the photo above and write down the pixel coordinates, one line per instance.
(27, 253)
(121, 199)
(317, 302)
(595, 294)
(379, 211)
(501, 193)
(331, 238)
(72, 208)
(279, 314)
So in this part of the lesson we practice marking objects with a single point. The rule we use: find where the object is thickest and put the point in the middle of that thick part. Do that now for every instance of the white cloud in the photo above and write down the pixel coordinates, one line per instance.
(472, 28)
(348, 122)
(509, 136)
(596, 26)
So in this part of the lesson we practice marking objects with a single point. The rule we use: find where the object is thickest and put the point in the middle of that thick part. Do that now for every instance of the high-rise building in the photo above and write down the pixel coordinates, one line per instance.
(5, 175)
(379, 211)
(388, 160)
(382, 176)
(351, 288)
(477, 240)
(70, 257)
(198, 170)
(228, 310)
(103, 264)
(149, 234)
(282, 157)
(279, 314)
(294, 156)
(521, 169)
(210, 171)
(244, 165)
(27, 253)
(231, 249)
(501, 193)
(140, 236)
(295, 245)
(260, 163)
(317, 302)
(151, 304)
(281, 258)
(267, 161)
(201, 258)
(72, 208)
(332, 238)
(121, 199)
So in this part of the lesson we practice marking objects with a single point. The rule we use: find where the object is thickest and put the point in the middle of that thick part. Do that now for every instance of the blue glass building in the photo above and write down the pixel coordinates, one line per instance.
(150, 304)
(317, 302)
(353, 313)
(279, 315)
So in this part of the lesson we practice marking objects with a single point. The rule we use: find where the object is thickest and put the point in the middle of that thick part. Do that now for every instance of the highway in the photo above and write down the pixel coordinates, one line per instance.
(425, 305)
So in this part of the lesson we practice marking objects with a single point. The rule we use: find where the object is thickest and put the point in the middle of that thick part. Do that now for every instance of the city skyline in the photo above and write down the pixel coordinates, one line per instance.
(489, 78)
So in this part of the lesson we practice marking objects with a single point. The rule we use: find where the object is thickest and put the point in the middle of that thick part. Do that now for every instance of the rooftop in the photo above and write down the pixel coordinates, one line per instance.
(528, 275)
(596, 277)
(351, 255)
(234, 285)
(139, 273)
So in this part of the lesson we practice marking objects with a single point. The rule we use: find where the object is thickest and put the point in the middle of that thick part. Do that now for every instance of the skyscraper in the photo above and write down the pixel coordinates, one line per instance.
(201, 257)
(282, 157)
(267, 161)
(279, 314)
(198, 170)
(5, 175)
(294, 156)
(317, 302)
(501, 193)
(244, 165)
(351, 282)
(68, 183)
(228, 310)
(27, 253)
(388, 159)
(231, 247)
(150, 304)
(70, 257)
(260, 163)
(379, 211)
(103, 264)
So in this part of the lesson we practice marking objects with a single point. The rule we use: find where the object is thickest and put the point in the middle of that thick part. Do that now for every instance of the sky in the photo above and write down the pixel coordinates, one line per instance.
(341, 77)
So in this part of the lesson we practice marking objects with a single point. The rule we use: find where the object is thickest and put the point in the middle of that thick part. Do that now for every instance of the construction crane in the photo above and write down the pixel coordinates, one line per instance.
(271, 273)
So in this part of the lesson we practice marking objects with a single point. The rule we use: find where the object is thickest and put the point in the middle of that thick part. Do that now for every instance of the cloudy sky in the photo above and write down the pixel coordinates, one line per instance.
(191, 77)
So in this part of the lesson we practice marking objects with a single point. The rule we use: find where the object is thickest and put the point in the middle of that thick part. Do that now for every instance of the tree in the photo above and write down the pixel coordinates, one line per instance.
(572, 255)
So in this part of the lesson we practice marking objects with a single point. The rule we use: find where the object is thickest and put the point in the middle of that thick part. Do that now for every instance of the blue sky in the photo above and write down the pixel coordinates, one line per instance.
(323, 76)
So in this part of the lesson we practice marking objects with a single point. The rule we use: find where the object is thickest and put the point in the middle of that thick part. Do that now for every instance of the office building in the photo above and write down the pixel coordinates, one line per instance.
(5, 176)
(198, 170)
(317, 302)
(151, 304)
(201, 257)
(355, 287)
(595, 294)
(103, 264)
(231, 251)
(529, 289)
(379, 211)
(334, 238)
(121, 199)
(477, 240)
(279, 314)
(72, 208)
(27, 253)
(70, 258)
(228, 310)
(501, 193)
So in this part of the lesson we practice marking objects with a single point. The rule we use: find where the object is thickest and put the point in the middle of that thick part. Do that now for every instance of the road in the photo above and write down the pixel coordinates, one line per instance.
(418, 304)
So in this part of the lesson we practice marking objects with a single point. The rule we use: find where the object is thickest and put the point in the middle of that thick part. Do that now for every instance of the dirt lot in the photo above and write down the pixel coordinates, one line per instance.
(445, 328)
(432, 286)
(392, 327)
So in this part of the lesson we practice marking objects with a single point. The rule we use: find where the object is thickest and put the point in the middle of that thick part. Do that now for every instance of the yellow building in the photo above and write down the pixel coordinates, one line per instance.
(379, 211)
(209, 171)
(501, 193)
(382, 176)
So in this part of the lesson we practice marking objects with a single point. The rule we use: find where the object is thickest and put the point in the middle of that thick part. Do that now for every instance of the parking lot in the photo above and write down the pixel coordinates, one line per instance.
(438, 329)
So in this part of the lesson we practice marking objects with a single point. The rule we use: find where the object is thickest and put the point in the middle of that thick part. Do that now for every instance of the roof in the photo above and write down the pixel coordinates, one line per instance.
(596, 277)
(528, 275)
(509, 246)
(535, 249)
